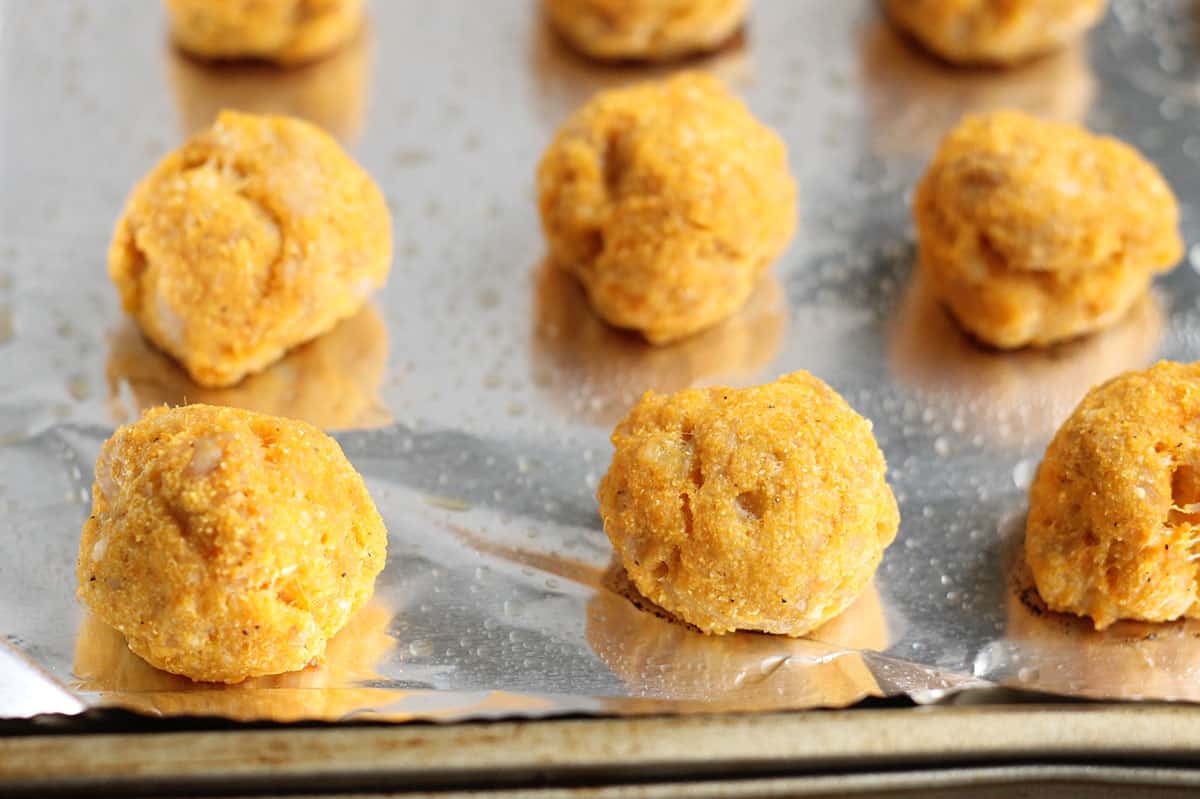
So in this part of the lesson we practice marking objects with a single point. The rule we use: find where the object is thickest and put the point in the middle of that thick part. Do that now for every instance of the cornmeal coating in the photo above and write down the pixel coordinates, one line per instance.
(761, 508)
(1114, 512)
(283, 31)
(648, 30)
(257, 235)
(667, 200)
(227, 544)
(994, 31)
(1033, 232)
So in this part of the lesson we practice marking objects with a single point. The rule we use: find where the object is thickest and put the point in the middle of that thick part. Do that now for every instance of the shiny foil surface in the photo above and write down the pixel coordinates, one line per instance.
(477, 392)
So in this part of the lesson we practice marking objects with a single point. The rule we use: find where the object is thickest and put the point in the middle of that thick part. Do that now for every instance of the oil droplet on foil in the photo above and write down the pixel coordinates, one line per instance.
(1023, 472)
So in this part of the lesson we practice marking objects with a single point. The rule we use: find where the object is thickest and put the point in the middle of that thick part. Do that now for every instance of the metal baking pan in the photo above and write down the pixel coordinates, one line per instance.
(477, 392)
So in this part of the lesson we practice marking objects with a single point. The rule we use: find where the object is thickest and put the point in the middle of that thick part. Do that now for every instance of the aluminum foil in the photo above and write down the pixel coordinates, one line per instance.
(477, 393)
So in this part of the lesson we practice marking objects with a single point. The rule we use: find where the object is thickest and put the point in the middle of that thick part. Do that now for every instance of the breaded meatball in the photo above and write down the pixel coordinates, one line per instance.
(257, 235)
(598, 372)
(994, 31)
(332, 381)
(227, 544)
(667, 200)
(650, 30)
(761, 508)
(1033, 232)
(1114, 511)
(283, 31)
(330, 93)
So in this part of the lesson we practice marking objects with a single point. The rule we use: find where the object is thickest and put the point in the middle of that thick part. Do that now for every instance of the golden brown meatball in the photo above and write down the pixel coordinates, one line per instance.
(330, 93)
(994, 31)
(332, 381)
(761, 508)
(1033, 232)
(257, 235)
(915, 99)
(283, 31)
(328, 691)
(227, 544)
(650, 30)
(1114, 512)
(667, 200)
(598, 372)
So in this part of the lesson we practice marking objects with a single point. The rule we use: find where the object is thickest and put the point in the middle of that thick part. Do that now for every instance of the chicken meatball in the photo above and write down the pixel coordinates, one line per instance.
(1114, 511)
(762, 508)
(226, 544)
(1033, 232)
(667, 200)
(257, 235)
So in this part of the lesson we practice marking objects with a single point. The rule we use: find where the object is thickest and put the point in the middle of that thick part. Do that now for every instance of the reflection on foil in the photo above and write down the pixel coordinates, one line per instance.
(330, 93)
(598, 372)
(1012, 396)
(332, 381)
(657, 656)
(914, 99)
(566, 80)
(330, 690)
(1063, 653)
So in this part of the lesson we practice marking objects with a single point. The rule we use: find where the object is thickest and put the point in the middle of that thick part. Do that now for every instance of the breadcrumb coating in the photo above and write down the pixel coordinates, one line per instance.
(1114, 512)
(227, 544)
(257, 235)
(667, 200)
(762, 508)
(1033, 232)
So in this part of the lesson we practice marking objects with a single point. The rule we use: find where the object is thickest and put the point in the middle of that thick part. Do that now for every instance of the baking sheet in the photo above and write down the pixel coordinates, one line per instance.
(477, 393)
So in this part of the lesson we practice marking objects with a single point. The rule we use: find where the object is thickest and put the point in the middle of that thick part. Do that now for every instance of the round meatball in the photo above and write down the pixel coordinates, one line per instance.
(994, 31)
(1114, 512)
(227, 544)
(257, 235)
(1033, 232)
(332, 381)
(648, 30)
(283, 31)
(761, 508)
(667, 200)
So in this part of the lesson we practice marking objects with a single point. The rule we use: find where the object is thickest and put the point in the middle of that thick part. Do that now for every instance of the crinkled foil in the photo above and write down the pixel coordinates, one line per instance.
(478, 391)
